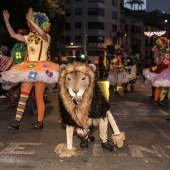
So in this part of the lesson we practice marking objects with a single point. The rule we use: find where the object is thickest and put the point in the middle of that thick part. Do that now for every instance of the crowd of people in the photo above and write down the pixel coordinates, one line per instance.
(30, 69)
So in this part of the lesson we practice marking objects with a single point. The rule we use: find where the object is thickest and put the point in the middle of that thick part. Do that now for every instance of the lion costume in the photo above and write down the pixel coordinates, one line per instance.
(82, 104)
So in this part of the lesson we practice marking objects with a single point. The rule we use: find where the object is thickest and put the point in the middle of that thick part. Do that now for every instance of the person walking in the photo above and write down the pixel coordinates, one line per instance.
(35, 70)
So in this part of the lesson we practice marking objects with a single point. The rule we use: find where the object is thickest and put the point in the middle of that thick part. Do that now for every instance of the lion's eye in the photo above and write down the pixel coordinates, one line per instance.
(84, 78)
(68, 78)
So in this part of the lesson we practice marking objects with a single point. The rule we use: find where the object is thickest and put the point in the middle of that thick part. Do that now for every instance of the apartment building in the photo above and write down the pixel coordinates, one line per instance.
(90, 26)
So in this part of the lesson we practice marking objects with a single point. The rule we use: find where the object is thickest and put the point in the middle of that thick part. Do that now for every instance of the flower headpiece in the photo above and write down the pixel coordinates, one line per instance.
(160, 41)
(42, 19)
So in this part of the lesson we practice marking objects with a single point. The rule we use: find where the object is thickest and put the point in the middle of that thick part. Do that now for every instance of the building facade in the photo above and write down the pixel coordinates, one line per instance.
(90, 26)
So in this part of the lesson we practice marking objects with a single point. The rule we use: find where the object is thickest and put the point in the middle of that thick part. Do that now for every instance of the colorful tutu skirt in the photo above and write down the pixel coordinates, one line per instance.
(118, 77)
(162, 79)
(148, 74)
(32, 71)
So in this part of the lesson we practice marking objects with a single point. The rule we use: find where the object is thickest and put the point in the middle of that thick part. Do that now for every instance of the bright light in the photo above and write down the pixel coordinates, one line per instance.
(158, 33)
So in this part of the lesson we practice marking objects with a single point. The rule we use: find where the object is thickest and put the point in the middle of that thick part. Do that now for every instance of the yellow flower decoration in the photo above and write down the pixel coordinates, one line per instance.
(31, 66)
(115, 60)
(18, 55)
(154, 68)
(31, 50)
(21, 64)
(14, 74)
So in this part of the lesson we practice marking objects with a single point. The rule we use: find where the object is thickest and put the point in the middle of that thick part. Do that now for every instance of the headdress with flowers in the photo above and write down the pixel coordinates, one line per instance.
(42, 19)
(160, 41)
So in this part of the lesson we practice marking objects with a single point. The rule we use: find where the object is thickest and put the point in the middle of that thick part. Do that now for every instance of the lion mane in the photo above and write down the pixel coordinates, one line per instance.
(93, 103)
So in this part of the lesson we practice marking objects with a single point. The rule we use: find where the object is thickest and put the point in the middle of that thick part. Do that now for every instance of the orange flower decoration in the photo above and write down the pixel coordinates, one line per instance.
(31, 50)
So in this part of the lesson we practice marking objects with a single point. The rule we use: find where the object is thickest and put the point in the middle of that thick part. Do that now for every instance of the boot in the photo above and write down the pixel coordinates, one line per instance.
(39, 125)
(106, 145)
(84, 143)
(15, 126)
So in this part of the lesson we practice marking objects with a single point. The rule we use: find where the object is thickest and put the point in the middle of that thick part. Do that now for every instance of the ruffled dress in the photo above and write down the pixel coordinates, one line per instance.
(118, 75)
(35, 68)
(151, 72)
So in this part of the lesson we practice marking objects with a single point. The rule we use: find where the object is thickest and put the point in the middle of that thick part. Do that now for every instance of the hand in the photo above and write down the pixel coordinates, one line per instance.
(6, 15)
(28, 15)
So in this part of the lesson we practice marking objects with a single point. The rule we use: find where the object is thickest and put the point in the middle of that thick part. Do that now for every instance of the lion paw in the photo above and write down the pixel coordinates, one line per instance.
(118, 140)
(63, 151)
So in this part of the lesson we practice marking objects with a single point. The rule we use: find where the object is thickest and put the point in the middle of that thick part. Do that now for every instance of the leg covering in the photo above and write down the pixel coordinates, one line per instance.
(69, 135)
(103, 128)
(157, 92)
(21, 105)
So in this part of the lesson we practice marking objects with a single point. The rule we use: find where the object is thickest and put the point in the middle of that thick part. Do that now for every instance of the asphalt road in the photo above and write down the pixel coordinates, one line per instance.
(147, 145)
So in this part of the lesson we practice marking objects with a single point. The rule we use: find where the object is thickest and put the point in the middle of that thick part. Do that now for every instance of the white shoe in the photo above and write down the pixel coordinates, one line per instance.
(2, 97)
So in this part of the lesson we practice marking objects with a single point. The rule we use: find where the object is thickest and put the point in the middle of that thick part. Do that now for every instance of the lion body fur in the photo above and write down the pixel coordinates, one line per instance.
(92, 104)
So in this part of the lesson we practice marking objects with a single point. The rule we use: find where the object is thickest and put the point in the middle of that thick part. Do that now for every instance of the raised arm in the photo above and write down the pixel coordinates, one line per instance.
(14, 35)
(35, 24)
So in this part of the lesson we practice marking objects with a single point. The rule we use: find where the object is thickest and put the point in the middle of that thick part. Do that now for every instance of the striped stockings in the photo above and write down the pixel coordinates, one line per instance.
(21, 105)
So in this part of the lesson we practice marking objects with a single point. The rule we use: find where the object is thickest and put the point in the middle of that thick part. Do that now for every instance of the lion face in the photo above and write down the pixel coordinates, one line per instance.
(76, 84)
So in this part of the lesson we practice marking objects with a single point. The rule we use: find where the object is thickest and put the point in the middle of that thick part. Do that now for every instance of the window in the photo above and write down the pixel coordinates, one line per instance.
(95, 39)
(67, 26)
(133, 29)
(67, 39)
(126, 27)
(96, 25)
(68, 13)
(78, 25)
(78, 11)
(114, 28)
(114, 15)
(78, 39)
(114, 2)
(96, 11)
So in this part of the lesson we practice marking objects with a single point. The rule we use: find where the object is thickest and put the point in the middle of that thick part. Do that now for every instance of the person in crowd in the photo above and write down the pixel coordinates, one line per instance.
(118, 74)
(101, 66)
(130, 66)
(161, 59)
(3, 61)
(18, 54)
(35, 70)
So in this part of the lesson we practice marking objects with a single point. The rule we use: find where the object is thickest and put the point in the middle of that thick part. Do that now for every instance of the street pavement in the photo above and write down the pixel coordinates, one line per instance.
(146, 125)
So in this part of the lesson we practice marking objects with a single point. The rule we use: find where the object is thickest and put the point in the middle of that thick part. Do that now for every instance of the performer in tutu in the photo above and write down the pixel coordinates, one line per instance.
(35, 70)
(161, 63)
(163, 78)
(118, 74)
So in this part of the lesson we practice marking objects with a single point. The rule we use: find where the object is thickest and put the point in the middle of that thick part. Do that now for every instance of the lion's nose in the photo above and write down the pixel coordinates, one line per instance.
(75, 92)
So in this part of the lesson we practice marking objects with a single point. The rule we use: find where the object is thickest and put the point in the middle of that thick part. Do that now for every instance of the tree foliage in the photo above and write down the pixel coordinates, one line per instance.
(18, 10)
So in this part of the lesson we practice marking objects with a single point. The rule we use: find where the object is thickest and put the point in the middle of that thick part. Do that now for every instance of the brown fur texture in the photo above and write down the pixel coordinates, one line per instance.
(118, 140)
(79, 113)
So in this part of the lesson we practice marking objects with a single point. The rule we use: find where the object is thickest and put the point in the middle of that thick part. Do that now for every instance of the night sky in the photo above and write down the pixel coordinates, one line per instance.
(163, 5)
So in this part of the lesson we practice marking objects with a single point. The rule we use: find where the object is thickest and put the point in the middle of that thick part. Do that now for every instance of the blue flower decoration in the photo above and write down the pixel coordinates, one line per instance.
(32, 75)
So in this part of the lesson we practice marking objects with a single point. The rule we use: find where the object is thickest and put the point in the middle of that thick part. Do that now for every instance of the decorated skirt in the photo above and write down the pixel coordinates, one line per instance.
(118, 77)
(162, 79)
(148, 74)
(32, 71)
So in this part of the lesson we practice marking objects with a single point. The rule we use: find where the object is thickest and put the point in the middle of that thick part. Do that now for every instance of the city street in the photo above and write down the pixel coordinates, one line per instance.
(146, 125)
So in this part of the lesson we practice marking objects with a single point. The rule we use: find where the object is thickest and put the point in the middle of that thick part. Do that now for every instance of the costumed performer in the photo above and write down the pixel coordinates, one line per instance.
(161, 63)
(118, 74)
(35, 70)
(17, 56)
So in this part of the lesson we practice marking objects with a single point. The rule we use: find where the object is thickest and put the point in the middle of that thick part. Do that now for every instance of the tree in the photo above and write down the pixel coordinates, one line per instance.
(18, 9)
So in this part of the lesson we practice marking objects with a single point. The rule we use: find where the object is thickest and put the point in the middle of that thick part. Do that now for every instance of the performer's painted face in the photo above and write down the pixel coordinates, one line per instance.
(31, 28)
